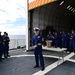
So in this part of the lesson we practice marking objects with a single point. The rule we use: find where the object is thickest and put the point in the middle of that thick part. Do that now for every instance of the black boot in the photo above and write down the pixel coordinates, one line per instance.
(36, 66)
(42, 68)
(0, 58)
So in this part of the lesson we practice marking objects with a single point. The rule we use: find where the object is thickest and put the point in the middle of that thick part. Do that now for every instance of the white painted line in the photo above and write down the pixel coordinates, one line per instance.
(52, 56)
(47, 69)
(71, 60)
(17, 50)
(69, 56)
(14, 50)
(20, 56)
(25, 55)
(52, 66)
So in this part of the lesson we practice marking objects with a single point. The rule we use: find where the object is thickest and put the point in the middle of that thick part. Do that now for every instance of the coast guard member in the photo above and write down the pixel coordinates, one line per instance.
(72, 41)
(55, 39)
(64, 40)
(60, 41)
(68, 41)
(37, 46)
(1, 46)
(50, 36)
(6, 44)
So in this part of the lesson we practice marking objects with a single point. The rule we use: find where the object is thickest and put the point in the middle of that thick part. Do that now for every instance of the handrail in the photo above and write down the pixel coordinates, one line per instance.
(15, 43)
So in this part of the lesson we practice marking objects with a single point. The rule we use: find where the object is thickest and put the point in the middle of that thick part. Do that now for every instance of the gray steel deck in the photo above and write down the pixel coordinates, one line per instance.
(22, 63)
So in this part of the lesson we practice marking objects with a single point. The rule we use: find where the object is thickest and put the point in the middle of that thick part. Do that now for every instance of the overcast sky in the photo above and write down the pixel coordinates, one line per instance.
(13, 16)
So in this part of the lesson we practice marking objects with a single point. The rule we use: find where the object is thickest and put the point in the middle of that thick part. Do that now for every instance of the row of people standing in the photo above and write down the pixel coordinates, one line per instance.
(4, 45)
(63, 40)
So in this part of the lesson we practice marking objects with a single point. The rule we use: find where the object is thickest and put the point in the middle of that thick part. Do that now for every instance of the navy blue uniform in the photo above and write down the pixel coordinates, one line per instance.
(6, 46)
(68, 42)
(74, 42)
(59, 40)
(56, 40)
(71, 42)
(64, 41)
(1, 46)
(37, 40)
(49, 36)
(52, 44)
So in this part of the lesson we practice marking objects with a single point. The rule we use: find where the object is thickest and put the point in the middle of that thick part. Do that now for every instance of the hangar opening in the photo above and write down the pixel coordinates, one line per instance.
(59, 15)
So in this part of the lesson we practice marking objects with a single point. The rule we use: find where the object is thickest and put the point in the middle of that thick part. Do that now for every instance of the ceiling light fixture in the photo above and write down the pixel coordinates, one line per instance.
(61, 3)
(70, 8)
(74, 11)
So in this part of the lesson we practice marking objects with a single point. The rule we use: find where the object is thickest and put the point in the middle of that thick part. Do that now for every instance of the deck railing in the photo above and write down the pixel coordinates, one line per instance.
(15, 43)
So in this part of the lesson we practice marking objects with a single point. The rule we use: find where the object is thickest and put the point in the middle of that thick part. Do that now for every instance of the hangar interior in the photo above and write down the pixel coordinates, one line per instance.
(59, 14)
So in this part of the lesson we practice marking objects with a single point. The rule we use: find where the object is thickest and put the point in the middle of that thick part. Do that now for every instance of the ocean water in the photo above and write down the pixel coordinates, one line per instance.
(17, 36)
(17, 40)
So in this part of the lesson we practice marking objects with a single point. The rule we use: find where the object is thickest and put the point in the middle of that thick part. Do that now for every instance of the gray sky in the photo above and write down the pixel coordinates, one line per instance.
(13, 16)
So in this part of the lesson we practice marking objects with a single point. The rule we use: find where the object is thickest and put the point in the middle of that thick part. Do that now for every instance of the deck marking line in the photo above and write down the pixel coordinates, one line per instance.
(54, 65)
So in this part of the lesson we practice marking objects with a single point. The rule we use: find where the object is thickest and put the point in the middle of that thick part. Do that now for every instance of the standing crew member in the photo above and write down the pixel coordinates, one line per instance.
(37, 46)
(72, 41)
(55, 39)
(60, 41)
(64, 41)
(50, 36)
(1, 46)
(68, 41)
(6, 44)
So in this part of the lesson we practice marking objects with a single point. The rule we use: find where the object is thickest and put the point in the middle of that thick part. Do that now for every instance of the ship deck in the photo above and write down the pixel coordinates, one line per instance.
(21, 63)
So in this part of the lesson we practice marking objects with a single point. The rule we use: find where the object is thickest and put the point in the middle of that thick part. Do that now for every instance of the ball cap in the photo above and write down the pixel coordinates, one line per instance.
(36, 29)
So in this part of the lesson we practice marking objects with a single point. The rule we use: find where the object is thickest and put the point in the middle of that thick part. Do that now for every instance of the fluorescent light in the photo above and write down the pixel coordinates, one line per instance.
(61, 3)
(72, 9)
(68, 7)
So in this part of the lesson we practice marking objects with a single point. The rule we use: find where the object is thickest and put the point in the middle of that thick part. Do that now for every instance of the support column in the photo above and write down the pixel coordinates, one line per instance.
(27, 27)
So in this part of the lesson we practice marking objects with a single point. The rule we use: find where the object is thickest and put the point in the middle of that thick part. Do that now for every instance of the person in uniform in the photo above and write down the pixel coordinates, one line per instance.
(59, 40)
(1, 46)
(49, 36)
(64, 40)
(68, 41)
(6, 44)
(55, 40)
(72, 41)
(37, 46)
